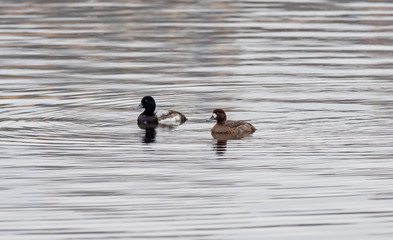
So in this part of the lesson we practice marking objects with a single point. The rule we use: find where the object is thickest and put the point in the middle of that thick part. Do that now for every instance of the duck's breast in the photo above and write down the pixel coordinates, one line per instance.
(145, 119)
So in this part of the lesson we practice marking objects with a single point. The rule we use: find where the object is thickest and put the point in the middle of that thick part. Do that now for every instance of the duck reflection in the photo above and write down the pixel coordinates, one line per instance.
(221, 145)
(150, 132)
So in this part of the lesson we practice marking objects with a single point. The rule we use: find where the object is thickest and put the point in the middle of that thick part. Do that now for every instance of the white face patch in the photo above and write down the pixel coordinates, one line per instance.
(214, 116)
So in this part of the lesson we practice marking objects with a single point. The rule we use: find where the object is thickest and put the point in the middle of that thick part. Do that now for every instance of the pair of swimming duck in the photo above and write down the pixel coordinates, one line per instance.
(223, 126)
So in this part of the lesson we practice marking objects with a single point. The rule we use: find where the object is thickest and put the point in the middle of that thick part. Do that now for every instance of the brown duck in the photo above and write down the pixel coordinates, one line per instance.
(236, 129)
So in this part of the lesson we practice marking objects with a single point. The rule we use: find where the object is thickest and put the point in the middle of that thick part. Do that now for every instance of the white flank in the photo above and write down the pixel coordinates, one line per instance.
(161, 113)
(172, 120)
(167, 120)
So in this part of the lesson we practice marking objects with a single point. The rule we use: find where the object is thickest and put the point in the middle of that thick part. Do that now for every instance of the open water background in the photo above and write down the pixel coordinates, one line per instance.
(314, 77)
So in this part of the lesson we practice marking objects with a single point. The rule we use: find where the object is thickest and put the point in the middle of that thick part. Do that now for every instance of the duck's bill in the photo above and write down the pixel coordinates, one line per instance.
(138, 107)
(212, 118)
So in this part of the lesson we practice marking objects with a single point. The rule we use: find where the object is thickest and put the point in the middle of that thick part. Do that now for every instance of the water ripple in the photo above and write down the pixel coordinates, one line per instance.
(314, 78)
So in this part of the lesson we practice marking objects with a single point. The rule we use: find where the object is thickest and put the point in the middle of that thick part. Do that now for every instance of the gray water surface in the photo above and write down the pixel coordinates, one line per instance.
(314, 77)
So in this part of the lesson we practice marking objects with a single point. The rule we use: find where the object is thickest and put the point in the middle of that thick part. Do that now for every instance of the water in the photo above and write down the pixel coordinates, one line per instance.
(314, 77)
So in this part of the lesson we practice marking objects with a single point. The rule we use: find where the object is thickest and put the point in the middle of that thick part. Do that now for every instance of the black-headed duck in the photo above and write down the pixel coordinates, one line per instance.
(224, 127)
(150, 117)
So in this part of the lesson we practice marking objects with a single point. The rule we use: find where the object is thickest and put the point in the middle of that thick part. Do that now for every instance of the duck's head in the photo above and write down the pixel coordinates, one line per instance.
(148, 104)
(218, 115)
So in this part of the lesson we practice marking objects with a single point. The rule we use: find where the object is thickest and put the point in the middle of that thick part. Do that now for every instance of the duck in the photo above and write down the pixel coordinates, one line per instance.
(150, 117)
(230, 128)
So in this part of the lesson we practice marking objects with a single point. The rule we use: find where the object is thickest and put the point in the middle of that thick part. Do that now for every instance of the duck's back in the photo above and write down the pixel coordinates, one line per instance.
(240, 127)
(234, 127)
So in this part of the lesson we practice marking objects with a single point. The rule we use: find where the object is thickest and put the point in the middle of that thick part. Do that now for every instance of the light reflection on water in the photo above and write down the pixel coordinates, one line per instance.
(314, 78)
